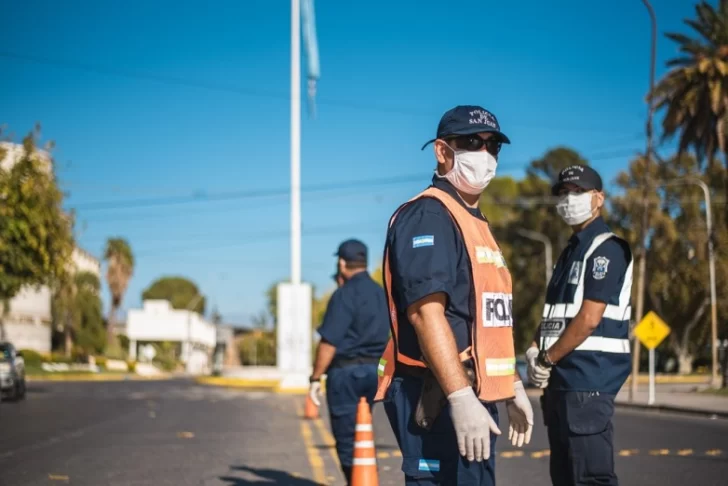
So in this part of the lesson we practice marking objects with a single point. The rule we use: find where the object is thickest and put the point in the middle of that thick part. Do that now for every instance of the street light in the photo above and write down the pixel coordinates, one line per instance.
(533, 235)
(711, 265)
(642, 266)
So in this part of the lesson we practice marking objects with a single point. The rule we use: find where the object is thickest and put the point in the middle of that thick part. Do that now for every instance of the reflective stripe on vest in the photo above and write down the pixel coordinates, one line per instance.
(492, 347)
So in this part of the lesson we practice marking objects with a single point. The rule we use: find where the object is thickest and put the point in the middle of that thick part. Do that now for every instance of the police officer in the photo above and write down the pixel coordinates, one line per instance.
(451, 356)
(581, 355)
(353, 334)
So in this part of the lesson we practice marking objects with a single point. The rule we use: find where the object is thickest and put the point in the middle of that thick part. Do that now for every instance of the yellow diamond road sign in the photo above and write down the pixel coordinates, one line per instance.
(651, 330)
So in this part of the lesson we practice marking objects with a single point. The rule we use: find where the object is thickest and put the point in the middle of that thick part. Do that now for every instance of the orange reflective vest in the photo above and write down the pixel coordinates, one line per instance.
(491, 347)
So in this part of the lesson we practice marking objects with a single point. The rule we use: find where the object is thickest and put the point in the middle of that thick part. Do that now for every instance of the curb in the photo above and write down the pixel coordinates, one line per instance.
(272, 386)
(697, 412)
(93, 377)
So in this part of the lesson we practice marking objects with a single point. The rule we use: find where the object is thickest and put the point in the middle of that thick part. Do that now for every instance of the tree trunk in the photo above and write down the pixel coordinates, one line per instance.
(4, 311)
(68, 337)
(110, 323)
(685, 362)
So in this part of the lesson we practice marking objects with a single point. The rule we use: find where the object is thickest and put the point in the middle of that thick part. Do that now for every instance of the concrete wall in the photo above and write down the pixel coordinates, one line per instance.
(28, 325)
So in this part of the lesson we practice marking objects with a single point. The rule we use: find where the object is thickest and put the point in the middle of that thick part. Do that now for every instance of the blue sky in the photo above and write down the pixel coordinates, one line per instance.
(166, 100)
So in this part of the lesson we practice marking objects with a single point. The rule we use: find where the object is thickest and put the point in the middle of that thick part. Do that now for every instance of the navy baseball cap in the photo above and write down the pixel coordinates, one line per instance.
(579, 175)
(352, 251)
(467, 120)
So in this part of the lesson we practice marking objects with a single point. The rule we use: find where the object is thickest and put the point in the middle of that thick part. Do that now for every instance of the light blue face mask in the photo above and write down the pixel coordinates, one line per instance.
(575, 208)
(472, 171)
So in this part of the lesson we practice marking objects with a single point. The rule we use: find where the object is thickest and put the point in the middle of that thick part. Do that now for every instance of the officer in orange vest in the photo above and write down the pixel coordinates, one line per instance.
(451, 358)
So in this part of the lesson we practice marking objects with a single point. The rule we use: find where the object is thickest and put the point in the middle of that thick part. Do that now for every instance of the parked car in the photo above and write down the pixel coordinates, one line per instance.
(12, 373)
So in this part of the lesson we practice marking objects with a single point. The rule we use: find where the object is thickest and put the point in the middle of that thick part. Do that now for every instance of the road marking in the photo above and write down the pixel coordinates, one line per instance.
(396, 453)
(540, 454)
(328, 440)
(714, 452)
(660, 452)
(314, 458)
(58, 477)
(685, 452)
(382, 455)
(628, 452)
(152, 414)
(509, 454)
(185, 435)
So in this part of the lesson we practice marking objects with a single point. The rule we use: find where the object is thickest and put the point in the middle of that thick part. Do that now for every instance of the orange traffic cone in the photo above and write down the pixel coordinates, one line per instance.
(310, 411)
(364, 468)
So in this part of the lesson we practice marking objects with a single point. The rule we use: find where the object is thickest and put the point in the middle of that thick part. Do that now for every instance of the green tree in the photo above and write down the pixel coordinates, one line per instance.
(120, 268)
(64, 310)
(677, 261)
(89, 331)
(694, 92)
(36, 237)
(179, 291)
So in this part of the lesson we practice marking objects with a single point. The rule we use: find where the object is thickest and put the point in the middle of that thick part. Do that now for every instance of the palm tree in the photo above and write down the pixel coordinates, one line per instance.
(694, 92)
(120, 267)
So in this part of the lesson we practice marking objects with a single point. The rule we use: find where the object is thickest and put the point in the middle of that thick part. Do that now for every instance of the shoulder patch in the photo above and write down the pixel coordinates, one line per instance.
(601, 265)
(423, 240)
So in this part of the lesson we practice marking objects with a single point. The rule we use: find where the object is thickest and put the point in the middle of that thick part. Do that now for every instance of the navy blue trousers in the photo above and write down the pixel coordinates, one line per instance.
(432, 457)
(581, 437)
(344, 387)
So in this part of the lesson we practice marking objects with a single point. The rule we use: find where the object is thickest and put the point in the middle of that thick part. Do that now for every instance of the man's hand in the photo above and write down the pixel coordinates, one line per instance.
(520, 416)
(473, 424)
(537, 374)
(314, 391)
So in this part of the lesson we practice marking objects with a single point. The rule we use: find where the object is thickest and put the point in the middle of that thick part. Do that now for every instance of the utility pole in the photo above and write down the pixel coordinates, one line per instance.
(642, 255)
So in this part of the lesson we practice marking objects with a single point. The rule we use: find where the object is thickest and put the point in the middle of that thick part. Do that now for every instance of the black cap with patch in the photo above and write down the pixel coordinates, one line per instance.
(468, 120)
(579, 175)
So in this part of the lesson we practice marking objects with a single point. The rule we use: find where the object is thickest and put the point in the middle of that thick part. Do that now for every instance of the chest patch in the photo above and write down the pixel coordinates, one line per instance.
(574, 273)
(483, 254)
(497, 310)
(600, 268)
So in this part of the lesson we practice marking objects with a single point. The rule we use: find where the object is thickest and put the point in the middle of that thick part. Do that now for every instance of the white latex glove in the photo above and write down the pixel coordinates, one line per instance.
(520, 417)
(537, 374)
(473, 424)
(314, 391)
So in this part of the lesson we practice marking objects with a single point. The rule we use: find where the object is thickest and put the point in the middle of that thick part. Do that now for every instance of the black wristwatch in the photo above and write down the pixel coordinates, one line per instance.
(311, 379)
(543, 359)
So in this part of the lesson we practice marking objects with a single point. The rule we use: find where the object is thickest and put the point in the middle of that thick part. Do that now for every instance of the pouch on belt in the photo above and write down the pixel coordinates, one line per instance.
(432, 399)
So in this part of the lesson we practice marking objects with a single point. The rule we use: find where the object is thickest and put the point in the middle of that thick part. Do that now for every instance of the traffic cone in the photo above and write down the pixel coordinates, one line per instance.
(310, 411)
(364, 468)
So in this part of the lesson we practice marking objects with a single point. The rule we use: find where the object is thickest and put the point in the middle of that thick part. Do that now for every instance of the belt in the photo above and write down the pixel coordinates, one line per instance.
(361, 360)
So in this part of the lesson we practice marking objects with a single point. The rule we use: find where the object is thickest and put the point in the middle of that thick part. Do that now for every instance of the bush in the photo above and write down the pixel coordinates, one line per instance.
(258, 349)
(61, 358)
(166, 362)
(31, 357)
(100, 361)
(132, 366)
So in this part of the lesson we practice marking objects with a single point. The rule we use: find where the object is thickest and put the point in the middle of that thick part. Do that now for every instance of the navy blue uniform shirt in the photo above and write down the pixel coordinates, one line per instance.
(607, 287)
(428, 255)
(356, 320)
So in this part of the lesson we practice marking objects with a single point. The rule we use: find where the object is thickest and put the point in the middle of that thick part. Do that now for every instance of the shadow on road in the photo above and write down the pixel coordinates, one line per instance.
(266, 476)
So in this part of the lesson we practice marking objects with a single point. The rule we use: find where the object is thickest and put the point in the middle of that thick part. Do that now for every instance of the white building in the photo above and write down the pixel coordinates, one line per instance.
(157, 321)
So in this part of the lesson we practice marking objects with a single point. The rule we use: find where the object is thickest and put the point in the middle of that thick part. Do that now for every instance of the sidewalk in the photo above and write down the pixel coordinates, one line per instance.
(677, 398)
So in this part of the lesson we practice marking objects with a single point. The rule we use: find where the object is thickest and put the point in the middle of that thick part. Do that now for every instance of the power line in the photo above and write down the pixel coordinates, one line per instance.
(202, 197)
(228, 88)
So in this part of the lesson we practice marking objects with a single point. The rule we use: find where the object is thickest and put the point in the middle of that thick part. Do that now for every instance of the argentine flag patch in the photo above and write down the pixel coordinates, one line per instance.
(423, 240)
(431, 465)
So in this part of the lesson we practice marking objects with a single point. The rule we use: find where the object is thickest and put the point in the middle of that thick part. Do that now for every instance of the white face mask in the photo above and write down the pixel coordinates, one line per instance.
(472, 171)
(575, 208)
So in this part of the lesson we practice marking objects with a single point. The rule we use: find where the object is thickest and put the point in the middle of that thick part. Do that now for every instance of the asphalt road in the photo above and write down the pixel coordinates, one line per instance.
(176, 432)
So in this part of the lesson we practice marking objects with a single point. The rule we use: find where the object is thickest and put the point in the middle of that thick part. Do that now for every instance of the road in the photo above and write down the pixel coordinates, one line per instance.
(179, 433)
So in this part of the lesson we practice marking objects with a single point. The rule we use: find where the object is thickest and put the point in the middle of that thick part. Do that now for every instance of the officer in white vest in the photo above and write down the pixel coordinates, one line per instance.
(581, 353)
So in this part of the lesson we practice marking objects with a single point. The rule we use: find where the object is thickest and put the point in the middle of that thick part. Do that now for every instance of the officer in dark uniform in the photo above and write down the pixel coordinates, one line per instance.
(581, 354)
(433, 289)
(353, 334)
